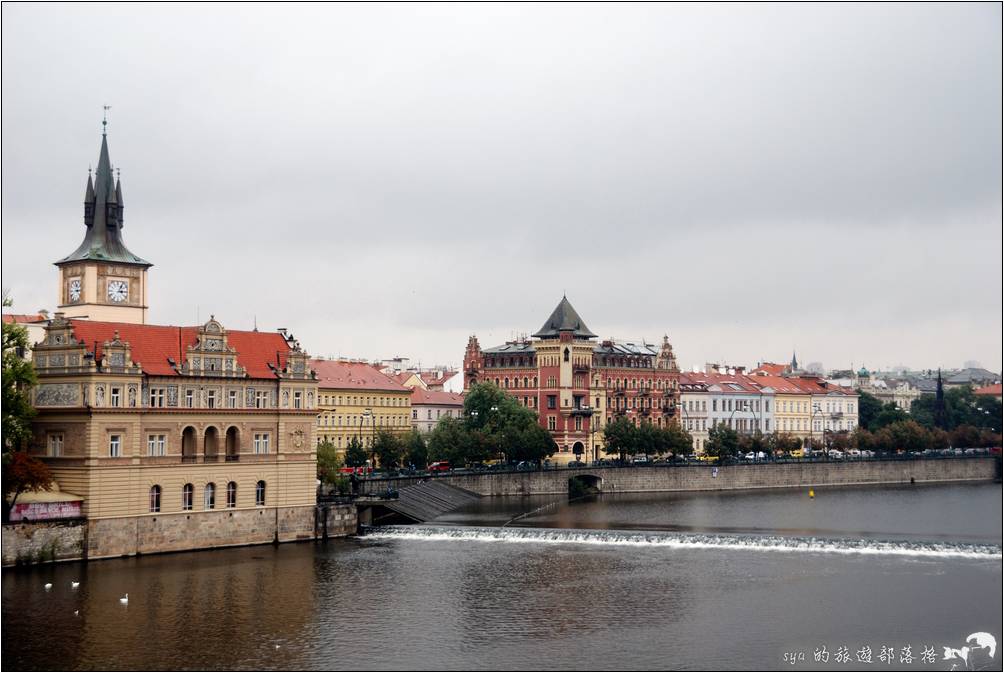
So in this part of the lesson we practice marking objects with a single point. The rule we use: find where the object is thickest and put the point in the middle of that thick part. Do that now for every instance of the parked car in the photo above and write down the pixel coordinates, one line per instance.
(576, 463)
(640, 460)
(797, 453)
(440, 466)
(836, 454)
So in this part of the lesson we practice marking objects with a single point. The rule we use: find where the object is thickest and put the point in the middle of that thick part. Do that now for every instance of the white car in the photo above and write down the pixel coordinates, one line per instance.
(836, 454)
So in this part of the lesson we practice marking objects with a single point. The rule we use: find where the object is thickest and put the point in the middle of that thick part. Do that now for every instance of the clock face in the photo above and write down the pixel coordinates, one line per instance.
(75, 289)
(118, 290)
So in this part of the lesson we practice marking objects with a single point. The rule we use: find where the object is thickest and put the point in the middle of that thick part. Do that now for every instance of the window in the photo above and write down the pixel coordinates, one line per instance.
(156, 445)
(232, 399)
(429, 414)
(211, 399)
(186, 496)
(297, 399)
(189, 398)
(155, 498)
(115, 446)
(261, 399)
(231, 495)
(414, 414)
(209, 498)
(56, 444)
(259, 494)
(552, 401)
(261, 442)
(552, 423)
(157, 397)
(116, 396)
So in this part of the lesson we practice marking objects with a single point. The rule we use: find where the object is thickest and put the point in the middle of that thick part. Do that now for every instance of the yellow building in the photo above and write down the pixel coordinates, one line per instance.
(357, 400)
(792, 405)
(172, 438)
(177, 437)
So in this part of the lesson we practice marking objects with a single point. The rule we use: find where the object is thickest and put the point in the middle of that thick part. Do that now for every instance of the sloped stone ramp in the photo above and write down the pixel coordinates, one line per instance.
(429, 499)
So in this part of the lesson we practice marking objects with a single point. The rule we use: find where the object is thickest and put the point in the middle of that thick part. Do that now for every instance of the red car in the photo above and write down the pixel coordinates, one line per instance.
(440, 466)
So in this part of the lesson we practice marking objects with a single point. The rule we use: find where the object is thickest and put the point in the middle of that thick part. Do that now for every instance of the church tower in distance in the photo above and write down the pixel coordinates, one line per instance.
(102, 279)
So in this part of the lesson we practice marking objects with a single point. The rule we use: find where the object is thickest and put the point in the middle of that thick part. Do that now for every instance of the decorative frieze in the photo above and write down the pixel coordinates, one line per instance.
(57, 395)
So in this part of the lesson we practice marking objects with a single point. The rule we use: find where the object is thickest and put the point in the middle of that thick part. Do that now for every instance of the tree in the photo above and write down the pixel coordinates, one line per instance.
(447, 440)
(328, 463)
(676, 440)
(418, 451)
(18, 377)
(530, 442)
(388, 449)
(21, 471)
(355, 454)
(489, 408)
(619, 436)
(965, 436)
(723, 442)
(962, 407)
(869, 407)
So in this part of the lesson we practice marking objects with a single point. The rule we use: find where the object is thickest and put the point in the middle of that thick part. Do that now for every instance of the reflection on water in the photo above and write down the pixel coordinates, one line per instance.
(398, 602)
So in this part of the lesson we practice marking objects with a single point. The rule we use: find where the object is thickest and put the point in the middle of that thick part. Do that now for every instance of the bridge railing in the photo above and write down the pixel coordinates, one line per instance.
(419, 474)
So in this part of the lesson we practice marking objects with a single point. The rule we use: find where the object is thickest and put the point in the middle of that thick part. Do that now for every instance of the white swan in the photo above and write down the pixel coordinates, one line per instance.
(74, 585)
(48, 585)
(124, 600)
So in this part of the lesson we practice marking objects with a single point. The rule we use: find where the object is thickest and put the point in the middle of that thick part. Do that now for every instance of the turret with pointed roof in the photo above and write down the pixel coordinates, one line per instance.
(103, 218)
(564, 319)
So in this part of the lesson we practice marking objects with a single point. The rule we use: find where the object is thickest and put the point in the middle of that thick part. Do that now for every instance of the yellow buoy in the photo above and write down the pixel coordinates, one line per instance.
(812, 494)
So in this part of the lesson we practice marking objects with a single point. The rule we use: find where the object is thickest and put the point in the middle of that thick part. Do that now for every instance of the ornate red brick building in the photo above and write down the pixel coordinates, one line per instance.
(576, 384)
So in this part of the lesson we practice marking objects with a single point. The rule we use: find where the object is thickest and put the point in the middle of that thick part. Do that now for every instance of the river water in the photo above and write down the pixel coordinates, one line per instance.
(656, 581)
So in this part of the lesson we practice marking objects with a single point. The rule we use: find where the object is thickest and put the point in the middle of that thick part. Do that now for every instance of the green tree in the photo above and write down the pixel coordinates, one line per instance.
(388, 448)
(21, 471)
(355, 454)
(676, 440)
(490, 409)
(620, 437)
(869, 407)
(447, 441)
(723, 442)
(528, 442)
(418, 451)
(328, 463)
(962, 407)
(18, 378)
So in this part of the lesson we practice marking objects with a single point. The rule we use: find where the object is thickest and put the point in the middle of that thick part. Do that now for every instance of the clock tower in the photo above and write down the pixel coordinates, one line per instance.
(102, 279)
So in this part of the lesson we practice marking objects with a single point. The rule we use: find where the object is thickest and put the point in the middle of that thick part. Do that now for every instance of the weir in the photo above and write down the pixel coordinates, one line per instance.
(759, 543)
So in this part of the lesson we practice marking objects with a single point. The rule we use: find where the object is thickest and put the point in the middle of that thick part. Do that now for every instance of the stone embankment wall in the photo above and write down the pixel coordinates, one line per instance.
(699, 477)
(44, 541)
(41, 542)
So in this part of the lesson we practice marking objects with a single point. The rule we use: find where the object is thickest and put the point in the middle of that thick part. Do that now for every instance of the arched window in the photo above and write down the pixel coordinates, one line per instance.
(259, 494)
(209, 501)
(567, 352)
(186, 496)
(155, 498)
(231, 495)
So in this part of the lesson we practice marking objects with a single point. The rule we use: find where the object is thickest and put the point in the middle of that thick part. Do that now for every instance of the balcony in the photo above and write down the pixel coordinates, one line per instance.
(233, 458)
(580, 369)
(619, 391)
(582, 411)
(644, 392)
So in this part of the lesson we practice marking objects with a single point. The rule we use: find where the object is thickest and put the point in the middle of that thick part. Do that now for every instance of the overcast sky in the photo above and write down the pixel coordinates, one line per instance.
(386, 180)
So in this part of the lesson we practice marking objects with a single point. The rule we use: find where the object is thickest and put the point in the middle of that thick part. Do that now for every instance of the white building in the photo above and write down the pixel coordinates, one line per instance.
(429, 406)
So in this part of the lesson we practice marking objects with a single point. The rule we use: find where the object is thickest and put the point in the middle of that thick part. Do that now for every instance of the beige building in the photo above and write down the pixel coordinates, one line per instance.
(172, 437)
(357, 400)
(177, 437)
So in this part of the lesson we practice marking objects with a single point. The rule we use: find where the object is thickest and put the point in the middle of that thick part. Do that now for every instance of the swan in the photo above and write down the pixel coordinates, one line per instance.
(48, 585)
(74, 585)
(124, 600)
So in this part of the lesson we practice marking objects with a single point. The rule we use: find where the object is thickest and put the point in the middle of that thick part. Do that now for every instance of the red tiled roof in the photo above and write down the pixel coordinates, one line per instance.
(771, 368)
(779, 384)
(152, 345)
(23, 318)
(357, 375)
(994, 389)
(437, 397)
(811, 385)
